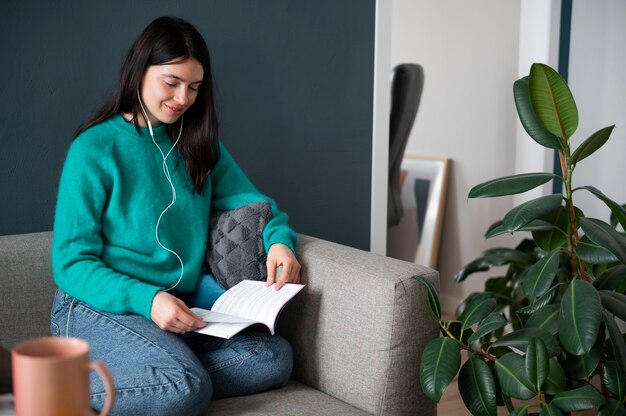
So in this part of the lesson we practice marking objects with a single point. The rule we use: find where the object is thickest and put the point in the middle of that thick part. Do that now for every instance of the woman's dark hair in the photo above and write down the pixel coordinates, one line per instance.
(167, 40)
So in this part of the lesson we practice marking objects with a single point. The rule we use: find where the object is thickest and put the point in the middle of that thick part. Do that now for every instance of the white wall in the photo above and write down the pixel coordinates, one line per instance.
(469, 51)
(598, 82)
(380, 128)
(539, 42)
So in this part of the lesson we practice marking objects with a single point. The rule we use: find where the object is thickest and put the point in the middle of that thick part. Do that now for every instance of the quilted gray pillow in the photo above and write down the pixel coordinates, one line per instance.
(235, 249)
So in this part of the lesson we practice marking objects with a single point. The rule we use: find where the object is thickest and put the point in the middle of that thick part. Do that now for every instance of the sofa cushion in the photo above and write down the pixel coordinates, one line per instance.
(235, 250)
(27, 287)
(293, 399)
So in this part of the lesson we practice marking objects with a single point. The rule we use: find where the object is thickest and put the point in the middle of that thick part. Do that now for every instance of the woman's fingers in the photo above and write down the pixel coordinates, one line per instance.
(280, 255)
(171, 314)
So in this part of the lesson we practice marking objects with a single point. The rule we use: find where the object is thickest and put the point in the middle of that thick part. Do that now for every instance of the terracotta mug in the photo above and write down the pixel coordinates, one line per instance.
(51, 377)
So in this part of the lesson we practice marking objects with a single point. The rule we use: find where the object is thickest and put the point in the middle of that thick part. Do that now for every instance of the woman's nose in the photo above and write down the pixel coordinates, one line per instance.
(182, 96)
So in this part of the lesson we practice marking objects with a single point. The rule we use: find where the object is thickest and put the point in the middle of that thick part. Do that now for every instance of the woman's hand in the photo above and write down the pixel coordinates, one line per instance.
(171, 314)
(281, 255)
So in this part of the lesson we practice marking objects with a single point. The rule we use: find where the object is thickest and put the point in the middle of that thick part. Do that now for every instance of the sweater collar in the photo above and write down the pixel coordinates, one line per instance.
(160, 132)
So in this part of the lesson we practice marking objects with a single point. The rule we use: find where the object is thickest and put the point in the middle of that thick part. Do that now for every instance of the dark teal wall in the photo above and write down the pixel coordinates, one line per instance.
(295, 88)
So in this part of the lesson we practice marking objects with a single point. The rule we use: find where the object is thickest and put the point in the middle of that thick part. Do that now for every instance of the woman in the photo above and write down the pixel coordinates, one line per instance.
(130, 232)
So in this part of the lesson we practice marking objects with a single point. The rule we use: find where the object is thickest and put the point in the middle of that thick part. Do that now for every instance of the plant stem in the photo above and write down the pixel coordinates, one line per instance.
(578, 267)
(590, 384)
(484, 355)
(507, 401)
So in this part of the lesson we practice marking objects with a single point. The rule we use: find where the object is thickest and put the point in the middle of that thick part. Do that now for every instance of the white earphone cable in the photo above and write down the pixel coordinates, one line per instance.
(166, 171)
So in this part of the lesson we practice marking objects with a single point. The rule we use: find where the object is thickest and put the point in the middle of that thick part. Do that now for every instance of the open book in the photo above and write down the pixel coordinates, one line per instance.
(245, 304)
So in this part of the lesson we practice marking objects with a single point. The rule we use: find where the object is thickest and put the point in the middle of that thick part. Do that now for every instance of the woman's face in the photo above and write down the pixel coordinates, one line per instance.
(168, 90)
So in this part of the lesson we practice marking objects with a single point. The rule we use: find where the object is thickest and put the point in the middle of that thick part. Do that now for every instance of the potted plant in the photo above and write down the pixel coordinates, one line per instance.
(543, 337)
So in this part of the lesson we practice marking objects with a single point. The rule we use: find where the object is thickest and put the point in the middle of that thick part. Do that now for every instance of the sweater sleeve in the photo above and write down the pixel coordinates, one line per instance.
(78, 241)
(231, 189)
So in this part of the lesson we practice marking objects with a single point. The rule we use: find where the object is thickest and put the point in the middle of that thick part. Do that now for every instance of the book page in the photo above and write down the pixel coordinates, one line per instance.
(254, 301)
(220, 325)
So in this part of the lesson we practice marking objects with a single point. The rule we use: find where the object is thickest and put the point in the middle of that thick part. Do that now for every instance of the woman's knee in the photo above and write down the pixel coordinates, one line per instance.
(273, 363)
(189, 393)
(250, 364)
(195, 392)
(280, 359)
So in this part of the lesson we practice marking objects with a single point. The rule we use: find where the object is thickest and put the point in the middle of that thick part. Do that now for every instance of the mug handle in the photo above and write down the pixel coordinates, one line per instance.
(109, 386)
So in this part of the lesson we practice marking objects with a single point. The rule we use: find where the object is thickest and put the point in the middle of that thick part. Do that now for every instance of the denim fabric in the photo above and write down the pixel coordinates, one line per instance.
(161, 373)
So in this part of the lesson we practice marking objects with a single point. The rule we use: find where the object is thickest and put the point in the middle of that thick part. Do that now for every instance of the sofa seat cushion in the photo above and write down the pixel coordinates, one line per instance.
(293, 399)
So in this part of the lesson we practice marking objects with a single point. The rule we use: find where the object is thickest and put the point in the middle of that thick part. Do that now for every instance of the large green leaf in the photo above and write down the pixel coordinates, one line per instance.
(497, 256)
(539, 303)
(537, 362)
(601, 233)
(499, 351)
(612, 408)
(477, 265)
(529, 119)
(618, 211)
(580, 317)
(530, 210)
(520, 339)
(581, 367)
(593, 253)
(511, 374)
(551, 238)
(520, 411)
(549, 410)
(432, 296)
(540, 225)
(541, 275)
(492, 322)
(552, 101)
(555, 383)
(535, 226)
(546, 318)
(614, 302)
(478, 308)
(611, 278)
(614, 380)
(478, 388)
(613, 219)
(617, 340)
(441, 360)
(500, 288)
(495, 229)
(593, 143)
(582, 398)
(510, 185)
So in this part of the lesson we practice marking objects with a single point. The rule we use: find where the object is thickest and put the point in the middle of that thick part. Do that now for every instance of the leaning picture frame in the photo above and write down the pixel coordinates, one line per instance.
(423, 186)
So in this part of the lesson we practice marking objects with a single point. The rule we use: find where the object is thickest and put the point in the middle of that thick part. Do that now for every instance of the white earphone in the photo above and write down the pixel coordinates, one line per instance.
(166, 171)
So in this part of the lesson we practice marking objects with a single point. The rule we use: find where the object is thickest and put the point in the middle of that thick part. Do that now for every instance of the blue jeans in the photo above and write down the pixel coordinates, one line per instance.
(161, 373)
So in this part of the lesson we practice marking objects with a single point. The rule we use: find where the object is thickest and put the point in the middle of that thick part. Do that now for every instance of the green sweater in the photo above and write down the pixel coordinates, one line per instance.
(111, 193)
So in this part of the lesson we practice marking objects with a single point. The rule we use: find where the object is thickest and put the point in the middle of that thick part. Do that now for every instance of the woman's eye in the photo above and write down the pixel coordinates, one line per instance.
(170, 84)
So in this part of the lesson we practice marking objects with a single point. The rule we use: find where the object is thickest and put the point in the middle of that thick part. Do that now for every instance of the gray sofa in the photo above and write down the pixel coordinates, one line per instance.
(357, 329)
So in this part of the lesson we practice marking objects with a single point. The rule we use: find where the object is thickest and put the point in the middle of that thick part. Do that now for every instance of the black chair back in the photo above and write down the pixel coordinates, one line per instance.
(407, 83)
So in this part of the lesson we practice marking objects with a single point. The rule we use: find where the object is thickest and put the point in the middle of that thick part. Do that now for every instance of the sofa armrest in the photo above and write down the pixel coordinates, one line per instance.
(27, 287)
(359, 327)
